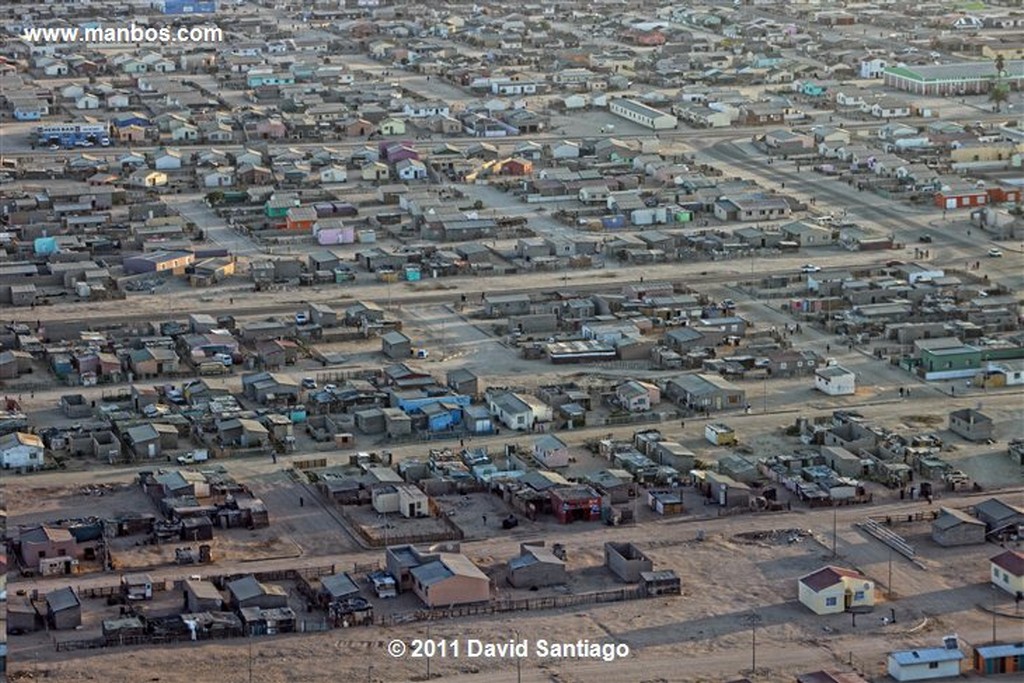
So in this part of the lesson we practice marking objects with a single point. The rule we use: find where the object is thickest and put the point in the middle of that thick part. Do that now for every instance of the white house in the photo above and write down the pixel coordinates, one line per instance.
(835, 380)
(575, 101)
(511, 411)
(565, 150)
(167, 160)
(928, 663)
(87, 101)
(333, 174)
(411, 169)
(648, 117)
(421, 110)
(221, 177)
(21, 450)
(872, 68)
(551, 451)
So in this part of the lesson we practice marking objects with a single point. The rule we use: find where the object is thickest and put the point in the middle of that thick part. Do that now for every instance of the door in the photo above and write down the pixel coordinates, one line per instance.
(847, 600)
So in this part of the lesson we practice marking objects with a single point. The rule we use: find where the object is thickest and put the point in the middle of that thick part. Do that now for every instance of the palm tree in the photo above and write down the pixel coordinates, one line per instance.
(999, 92)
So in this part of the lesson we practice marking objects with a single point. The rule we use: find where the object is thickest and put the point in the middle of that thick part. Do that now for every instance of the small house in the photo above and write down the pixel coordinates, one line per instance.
(248, 592)
(576, 504)
(999, 658)
(396, 345)
(451, 579)
(667, 502)
(954, 527)
(63, 609)
(926, 664)
(202, 596)
(835, 380)
(551, 451)
(1000, 518)
(626, 561)
(1007, 571)
(833, 590)
(971, 424)
(21, 450)
(536, 567)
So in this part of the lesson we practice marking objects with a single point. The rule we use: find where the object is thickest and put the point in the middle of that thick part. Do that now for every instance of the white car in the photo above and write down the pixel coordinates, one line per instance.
(995, 253)
(810, 268)
(301, 318)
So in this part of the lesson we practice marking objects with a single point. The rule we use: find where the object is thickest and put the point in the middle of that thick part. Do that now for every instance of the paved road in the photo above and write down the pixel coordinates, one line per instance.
(906, 223)
(194, 209)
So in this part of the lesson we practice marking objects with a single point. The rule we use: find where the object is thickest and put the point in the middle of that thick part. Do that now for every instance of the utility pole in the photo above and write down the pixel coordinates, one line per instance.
(888, 586)
(753, 619)
(835, 528)
(994, 589)
(519, 661)
(250, 657)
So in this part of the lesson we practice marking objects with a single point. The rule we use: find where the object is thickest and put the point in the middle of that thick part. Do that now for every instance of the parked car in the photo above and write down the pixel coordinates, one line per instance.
(995, 253)
(925, 238)
(384, 584)
(810, 268)
(308, 383)
(301, 318)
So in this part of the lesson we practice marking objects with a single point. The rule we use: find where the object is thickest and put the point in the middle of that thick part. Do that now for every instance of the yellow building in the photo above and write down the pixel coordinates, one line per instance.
(990, 152)
(1007, 51)
(1008, 571)
(833, 590)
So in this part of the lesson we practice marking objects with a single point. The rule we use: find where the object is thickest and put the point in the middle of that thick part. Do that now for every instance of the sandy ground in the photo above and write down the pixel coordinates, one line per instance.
(708, 626)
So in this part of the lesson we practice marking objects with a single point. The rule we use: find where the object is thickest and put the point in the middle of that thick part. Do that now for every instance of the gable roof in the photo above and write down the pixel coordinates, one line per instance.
(827, 577)
(1011, 560)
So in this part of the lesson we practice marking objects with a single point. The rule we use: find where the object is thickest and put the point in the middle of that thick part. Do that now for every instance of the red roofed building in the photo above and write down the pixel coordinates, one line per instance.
(832, 590)
(1007, 569)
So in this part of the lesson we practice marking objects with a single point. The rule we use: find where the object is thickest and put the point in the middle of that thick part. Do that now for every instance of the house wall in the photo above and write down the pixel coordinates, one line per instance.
(626, 569)
(836, 386)
(67, 619)
(923, 672)
(539, 574)
(456, 590)
(817, 602)
(961, 534)
(1006, 581)
(558, 457)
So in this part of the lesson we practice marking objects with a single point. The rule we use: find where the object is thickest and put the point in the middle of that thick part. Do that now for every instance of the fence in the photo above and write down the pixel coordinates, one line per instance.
(635, 419)
(525, 604)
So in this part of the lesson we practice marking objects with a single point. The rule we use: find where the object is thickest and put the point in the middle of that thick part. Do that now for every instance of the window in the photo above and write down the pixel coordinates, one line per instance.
(830, 602)
(859, 595)
(933, 665)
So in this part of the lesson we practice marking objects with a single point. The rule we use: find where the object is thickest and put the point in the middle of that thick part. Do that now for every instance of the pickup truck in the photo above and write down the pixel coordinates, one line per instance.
(193, 457)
